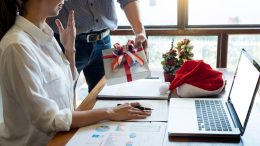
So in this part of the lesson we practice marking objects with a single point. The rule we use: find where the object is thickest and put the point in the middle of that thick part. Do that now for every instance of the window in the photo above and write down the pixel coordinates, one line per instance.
(251, 43)
(219, 18)
(204, 48)
(163, 11)
(223, 12)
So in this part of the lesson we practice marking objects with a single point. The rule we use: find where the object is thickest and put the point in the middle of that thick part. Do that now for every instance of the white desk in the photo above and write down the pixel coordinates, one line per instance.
(250, 138)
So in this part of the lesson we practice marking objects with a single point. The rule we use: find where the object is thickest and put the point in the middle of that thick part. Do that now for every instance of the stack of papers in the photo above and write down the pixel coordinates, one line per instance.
(139, 89)
(159, 112)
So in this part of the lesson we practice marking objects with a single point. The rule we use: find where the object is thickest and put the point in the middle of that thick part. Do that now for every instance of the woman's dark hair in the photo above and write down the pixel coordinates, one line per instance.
(8, 12)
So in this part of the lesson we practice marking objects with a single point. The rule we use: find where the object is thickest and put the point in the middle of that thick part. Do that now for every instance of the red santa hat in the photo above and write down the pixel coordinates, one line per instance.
(196, 78)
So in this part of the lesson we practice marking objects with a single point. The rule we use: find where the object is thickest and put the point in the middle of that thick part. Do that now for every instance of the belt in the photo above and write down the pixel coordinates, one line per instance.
(93, 36)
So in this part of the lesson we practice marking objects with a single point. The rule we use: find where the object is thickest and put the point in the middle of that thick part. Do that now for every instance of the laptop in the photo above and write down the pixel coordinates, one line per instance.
(218, 117)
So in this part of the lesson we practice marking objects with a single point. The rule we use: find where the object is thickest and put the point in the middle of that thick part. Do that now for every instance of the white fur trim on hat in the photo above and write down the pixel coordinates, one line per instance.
(187, 90)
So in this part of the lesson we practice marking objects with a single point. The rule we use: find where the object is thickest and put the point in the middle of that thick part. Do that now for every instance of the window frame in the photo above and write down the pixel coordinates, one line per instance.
(182, 28)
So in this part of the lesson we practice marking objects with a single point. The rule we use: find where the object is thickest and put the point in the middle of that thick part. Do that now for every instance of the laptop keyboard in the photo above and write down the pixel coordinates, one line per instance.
(211, 116)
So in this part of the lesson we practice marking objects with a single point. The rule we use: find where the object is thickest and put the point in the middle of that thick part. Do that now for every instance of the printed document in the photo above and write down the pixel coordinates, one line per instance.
(120, 134)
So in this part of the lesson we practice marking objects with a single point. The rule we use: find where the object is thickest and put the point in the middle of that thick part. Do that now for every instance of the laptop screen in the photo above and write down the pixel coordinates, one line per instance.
(244, 86)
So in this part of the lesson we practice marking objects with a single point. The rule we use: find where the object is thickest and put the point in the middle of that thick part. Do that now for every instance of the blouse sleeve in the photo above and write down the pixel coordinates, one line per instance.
(23, 71)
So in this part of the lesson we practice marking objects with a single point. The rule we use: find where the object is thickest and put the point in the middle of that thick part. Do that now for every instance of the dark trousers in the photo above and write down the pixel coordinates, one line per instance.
(89, 58)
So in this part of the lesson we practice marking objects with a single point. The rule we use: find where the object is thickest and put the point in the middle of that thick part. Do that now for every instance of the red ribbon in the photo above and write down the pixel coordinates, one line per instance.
(126, 57)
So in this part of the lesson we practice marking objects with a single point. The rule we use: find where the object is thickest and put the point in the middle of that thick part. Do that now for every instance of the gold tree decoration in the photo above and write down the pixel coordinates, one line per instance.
(184, 48)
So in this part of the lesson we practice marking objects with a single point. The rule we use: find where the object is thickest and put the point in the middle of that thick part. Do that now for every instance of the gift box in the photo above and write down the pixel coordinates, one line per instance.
(125, 63)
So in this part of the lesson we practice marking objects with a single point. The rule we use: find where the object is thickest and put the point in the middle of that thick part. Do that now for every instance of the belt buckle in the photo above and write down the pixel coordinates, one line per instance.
(92, 38)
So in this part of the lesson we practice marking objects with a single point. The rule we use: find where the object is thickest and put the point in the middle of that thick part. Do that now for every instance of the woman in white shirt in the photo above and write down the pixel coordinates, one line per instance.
(37, 79)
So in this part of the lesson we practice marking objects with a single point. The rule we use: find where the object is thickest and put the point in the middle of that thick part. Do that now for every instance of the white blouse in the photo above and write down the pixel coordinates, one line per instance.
(37, 86)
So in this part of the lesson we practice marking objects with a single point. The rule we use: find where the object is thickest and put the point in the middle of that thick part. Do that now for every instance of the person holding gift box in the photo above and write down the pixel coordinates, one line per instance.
(37, 79)
(94, 20)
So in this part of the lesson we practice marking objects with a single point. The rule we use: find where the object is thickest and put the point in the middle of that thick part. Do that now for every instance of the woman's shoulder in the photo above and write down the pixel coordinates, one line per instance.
(15, 36)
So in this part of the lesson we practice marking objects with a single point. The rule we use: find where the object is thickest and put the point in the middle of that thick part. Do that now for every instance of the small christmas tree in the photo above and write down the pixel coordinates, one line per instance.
(176, 56)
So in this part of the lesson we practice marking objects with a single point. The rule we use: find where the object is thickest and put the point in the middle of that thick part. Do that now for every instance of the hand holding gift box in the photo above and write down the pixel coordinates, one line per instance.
(125, 63)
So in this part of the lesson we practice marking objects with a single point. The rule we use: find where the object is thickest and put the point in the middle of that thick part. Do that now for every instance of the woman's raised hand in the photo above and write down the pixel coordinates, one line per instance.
(68, 35)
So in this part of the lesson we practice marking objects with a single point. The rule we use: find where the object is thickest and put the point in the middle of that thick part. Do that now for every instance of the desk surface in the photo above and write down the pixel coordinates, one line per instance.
(250, 137)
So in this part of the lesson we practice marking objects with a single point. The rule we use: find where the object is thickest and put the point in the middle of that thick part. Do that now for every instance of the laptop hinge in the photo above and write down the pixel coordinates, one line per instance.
(234, 116)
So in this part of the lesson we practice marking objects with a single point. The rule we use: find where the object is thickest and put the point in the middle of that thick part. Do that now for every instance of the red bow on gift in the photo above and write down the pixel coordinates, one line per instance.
(126, 54)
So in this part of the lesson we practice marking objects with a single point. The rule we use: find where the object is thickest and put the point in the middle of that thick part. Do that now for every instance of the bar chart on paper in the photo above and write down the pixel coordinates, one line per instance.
(120, 134)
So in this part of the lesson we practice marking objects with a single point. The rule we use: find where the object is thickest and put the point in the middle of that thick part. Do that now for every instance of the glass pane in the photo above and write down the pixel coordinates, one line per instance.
(121, 39)
(251, 43)
(153, 12)
(205, 47)
(223, 12)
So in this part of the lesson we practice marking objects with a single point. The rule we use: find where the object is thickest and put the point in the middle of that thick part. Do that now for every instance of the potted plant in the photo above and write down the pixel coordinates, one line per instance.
(175, 57)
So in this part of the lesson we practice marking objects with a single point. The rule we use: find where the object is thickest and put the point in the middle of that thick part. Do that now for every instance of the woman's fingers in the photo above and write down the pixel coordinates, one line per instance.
(134, 104)
(71, 20)
(140, 112)
(59, 25)
(136, 116)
